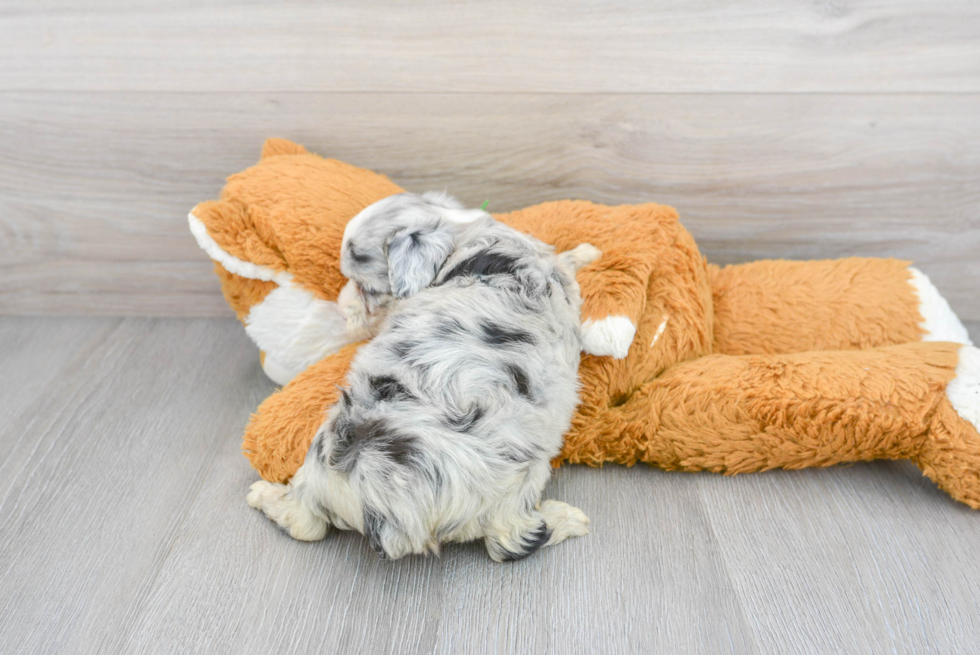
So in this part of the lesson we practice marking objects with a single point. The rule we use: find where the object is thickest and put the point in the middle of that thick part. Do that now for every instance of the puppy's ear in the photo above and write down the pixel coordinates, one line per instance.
(415, 255)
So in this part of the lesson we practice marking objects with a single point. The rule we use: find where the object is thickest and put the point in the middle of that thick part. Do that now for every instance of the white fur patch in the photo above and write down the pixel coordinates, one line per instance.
(231, 263)
(295, 329)
(963, 390)
(292, 326)
(278, 373)
(660, 331)
(610, 336)
(448, 207)
(939, 320)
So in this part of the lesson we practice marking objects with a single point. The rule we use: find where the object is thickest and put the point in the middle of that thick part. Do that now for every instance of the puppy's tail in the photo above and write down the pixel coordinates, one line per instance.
(579, 256)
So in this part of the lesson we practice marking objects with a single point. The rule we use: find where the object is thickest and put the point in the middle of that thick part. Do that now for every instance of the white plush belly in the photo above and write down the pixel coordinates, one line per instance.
(295, 329)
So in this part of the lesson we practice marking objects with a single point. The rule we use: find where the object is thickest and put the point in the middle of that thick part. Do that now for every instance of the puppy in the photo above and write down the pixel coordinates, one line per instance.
(454, 410)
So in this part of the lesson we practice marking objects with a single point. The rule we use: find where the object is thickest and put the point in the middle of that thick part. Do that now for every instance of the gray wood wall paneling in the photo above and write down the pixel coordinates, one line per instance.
(788, 129)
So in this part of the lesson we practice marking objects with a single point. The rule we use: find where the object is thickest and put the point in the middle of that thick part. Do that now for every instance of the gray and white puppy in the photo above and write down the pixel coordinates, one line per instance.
(455, 409)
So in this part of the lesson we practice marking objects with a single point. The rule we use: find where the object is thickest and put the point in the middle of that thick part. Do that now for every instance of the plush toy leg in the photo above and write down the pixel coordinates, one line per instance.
(951, 454)
(843, 304)
(281, 430)
(752, 413)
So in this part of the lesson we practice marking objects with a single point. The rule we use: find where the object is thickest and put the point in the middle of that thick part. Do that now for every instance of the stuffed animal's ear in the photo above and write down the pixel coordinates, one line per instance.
(237, 236)
(273, 147)
(415, 255)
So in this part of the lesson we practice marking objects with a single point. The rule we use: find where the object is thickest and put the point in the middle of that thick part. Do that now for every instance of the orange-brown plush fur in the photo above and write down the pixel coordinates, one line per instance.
(279, 434)
(736, 369)
(840, 304)
(242, 293)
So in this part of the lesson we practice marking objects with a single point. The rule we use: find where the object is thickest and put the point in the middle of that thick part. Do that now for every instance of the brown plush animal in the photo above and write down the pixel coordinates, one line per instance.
(687, 366)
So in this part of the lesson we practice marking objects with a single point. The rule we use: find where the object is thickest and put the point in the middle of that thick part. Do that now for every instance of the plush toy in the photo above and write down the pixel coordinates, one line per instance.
(687, 366)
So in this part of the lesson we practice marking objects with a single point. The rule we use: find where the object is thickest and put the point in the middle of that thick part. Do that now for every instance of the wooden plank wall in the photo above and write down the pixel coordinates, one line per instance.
(778, 128)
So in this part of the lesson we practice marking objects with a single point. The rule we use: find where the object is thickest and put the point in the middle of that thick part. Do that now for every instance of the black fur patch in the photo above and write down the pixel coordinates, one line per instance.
(495, 334)
(465, 422)
(450, 328)
(482, 264)
(345, 400)
(385, 387)
(318, 443)
(358, 257)
(404, 348)
(519, 375)
(435, 475)
(374, 523)
(518, 455)
(375, 435)
(530, 543)
(343, 428)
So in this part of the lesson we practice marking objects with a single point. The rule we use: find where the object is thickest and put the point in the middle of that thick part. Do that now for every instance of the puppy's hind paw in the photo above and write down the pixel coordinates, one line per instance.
(280, 505)
(563, 520)
(262, 493)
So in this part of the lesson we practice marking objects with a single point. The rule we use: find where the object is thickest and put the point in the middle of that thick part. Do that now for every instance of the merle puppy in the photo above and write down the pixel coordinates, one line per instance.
(455, 409)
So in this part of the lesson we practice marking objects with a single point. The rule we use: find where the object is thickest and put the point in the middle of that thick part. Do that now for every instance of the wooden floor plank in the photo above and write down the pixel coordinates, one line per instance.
(124, 529)
(753, 177)
(649, 576)
(41, 363)
(35, 352)
(116, 449)
(498, 46)
(871, 558)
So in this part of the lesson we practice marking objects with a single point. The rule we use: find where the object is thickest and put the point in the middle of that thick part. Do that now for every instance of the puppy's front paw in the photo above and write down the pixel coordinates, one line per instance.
(352, 308)
(581, 255)
(358, 322)
(563, 520)
(276, 502)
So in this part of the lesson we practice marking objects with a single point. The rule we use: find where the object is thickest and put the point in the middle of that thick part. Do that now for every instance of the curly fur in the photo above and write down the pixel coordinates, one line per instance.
(454, 410)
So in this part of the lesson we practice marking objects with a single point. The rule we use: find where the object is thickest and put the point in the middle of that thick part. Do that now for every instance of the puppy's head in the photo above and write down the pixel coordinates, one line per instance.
(396, 246)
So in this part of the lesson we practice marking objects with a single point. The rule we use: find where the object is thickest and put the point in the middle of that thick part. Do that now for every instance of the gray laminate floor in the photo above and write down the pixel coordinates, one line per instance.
(124, 528)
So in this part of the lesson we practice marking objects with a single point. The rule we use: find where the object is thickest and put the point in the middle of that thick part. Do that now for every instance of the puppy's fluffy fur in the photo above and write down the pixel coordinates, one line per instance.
(455, 409)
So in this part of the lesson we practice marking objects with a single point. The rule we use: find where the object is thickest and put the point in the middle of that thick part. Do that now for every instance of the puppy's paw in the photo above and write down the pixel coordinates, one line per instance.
(353, 309)
(563, 520)
(579, 256)
(263, 492)
(358, 322)
(279, 504)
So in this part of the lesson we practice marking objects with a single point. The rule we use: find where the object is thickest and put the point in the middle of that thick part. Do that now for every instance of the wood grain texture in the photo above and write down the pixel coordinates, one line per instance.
(273, 594)
(871, 558)
(124, 528)
(94, 187)
(101, 465)
(791, 129)
(497, 46)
